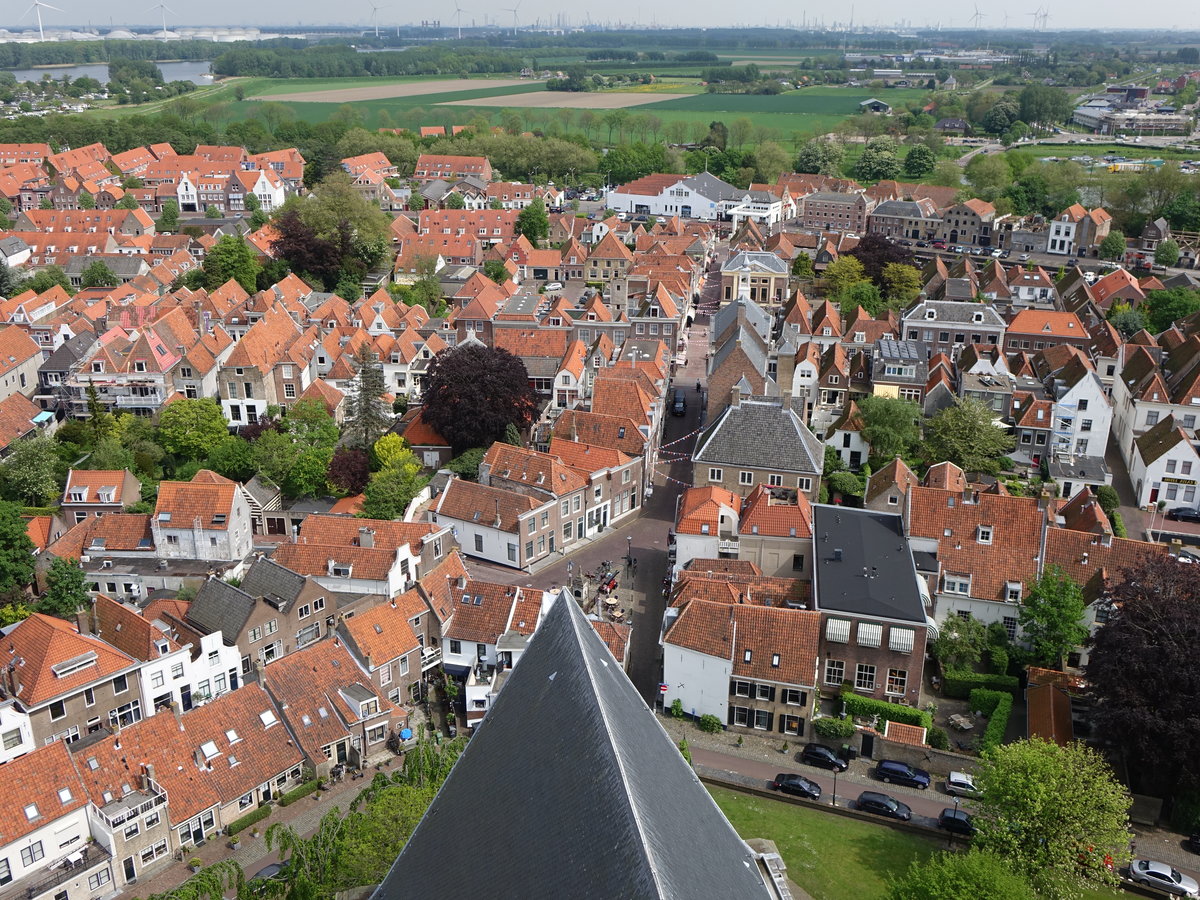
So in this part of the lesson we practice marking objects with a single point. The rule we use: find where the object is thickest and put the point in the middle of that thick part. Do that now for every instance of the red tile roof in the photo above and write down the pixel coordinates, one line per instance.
(36, 779)
(42, 642)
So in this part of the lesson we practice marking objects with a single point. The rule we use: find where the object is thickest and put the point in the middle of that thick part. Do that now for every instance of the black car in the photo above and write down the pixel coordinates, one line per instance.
(883, 805)
(678, 403)
(922, 243)
(796, 785)
(1184, 514)
(956, 821)
(268, 871)
(891, 770)
(821, 756)
(1193, 843)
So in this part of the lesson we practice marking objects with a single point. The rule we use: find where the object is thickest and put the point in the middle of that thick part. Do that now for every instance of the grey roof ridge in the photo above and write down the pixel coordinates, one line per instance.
(598, 697)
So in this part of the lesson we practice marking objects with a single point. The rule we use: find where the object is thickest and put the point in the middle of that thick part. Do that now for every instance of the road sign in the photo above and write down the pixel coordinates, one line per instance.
(662, 688)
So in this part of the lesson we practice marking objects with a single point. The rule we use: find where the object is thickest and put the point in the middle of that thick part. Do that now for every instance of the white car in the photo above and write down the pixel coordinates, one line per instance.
(997, 253)
(960, 784)
(554, 286)
(1024, 257)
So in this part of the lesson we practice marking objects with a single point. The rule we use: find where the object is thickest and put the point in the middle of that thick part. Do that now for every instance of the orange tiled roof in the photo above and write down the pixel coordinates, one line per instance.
(36, 779)
(43, 642)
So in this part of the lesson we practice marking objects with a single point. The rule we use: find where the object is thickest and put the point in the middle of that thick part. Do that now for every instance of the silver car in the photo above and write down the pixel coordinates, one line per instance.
(1153, 873)
(960, 784)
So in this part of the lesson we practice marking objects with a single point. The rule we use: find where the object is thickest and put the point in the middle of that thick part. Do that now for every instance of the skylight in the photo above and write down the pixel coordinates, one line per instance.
(268, 718)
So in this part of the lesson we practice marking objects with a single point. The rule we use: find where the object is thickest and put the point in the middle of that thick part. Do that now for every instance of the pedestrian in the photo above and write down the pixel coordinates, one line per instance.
(635, 565)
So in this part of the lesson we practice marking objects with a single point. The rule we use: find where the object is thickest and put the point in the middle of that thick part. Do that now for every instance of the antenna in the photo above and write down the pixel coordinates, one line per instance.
(39, 6)
(162, 7)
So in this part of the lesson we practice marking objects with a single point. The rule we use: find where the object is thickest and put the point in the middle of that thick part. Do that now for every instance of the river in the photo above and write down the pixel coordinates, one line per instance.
(188, 70)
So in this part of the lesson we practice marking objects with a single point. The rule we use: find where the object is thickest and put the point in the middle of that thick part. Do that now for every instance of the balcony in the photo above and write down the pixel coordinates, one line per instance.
(727, 546)
(78, 864)
(431, 657)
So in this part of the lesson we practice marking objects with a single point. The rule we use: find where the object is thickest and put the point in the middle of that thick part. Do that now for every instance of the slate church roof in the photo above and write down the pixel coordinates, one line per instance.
(571, 788)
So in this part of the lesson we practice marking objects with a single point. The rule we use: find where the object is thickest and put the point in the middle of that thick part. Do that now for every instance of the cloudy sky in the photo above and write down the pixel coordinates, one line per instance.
(918, 13)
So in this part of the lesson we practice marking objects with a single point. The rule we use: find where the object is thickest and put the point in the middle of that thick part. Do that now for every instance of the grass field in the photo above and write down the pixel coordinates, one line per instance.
(832, 857)
(561, 100)
(387, 90)
(813, 101)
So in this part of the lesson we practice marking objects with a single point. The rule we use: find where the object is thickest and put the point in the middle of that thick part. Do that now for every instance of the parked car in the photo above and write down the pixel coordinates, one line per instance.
(1184, 514)
(997, 253)
(1153, 873)
(883, 805)
(1006, 254)
(893, 771)
(1024, 257)
(678, 403)
(1193, 843)
(796, 785)
(554, 286)
(821, 756)
(1072, 262)
(939, 245)
(269, 871)
(922, 243)
(960, 784)
(904, 243)
(956, 821)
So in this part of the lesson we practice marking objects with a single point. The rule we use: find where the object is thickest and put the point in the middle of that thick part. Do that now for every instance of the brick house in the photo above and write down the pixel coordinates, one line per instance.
(968, 223)
(95, 492)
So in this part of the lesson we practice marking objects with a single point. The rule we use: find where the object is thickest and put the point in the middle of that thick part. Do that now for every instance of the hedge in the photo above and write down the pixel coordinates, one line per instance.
(297, 792)
(891, 712)
(1118, 525)
(998, 705)
(830, 727)
(239, 825)
(959, 683)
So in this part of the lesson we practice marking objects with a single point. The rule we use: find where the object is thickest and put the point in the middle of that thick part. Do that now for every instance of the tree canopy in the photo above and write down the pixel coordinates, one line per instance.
(966, 435)
(1051, 615)
(1142, 671)
(367, 415)
(192, 427)
(973, 875)
(1045, 808)
(17, 561)
(231, 258)
(960, 642)
(31, 471)
(1164, 308)
(533, 222)
(65, 589)
(891, 426)
(98, 274)
(473, 393)
(1113, 246)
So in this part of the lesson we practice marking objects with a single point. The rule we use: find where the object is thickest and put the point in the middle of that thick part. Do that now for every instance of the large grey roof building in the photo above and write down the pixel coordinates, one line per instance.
(571, 788)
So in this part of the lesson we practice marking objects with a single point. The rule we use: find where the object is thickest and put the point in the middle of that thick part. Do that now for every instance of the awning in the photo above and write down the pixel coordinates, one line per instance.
(870, 634)
(452, 669)
(901, 640)
(838, 630)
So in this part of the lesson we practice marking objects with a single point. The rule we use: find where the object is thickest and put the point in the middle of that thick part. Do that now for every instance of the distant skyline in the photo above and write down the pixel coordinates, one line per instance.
(1064, 15)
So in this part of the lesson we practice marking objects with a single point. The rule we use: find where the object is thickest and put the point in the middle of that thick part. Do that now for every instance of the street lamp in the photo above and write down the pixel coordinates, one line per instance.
(629, 550)
(834, 801)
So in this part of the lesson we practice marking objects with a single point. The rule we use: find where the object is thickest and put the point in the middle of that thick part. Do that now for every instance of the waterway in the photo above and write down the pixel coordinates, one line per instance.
(191, 70)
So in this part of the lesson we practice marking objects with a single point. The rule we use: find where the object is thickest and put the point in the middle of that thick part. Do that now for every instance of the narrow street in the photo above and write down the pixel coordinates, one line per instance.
(645, 538)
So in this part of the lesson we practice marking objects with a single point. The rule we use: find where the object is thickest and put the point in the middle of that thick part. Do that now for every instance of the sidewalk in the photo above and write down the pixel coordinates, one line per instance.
(304, 816)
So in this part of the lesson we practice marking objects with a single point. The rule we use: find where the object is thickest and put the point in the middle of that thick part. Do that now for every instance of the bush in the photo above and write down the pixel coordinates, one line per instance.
(937, 738)
(710, 724)
(890, 712)
(239, 825)
(959, 683)
(1118, 525)
(998, 657)
(993, 735)
(296, 793)
(1106, 496)
(677, 708)
(833, 728)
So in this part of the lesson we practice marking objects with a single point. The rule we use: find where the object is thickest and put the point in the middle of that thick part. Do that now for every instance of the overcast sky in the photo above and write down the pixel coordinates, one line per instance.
(919, 13)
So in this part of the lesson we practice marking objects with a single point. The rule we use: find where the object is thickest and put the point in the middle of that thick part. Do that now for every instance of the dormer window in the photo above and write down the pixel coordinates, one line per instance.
(984, 534)
(340, 571)
(97, 367)
(931, 313)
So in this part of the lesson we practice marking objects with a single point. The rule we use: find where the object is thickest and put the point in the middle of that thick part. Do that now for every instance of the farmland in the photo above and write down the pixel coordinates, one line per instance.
(377, 91)
(560, 100)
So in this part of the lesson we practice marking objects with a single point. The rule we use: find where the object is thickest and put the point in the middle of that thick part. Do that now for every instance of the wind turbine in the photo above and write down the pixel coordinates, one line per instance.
(164, 9)
(458, 11)
(39, 5)
(978, 17)
(513, 10)
(375, 8)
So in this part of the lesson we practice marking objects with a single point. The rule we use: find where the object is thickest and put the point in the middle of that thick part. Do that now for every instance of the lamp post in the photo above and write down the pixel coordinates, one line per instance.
(629, 550)
(834, 801)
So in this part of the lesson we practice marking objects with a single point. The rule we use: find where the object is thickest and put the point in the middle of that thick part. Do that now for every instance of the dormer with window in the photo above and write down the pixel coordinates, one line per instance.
(983, 534)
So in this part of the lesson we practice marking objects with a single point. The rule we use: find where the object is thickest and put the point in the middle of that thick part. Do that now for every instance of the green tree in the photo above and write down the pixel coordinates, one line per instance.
(1044, 105)
(65, 589)
(1045, 808)
(233, 457)
(960, 642)
(495, 270)
(374, 837)
(1167, 253)
(861, 293)
(966, 435)
(169, 220)
(843, 272)
(231, 257)
(1163, 309)
(191, 428)
(98, 274)
(391, 450)
(946, 173)
(310, 424)
(878, 160)
(31, 472)
(100, 420)
(1126, 319)
(367, 415)
(466, 465)
(127, 202)
(919, 161)
(212, 212)
(1052, 616)
(86, 200)
(770, 160)
(389, 491)
(275, 453)
(891, 426)
(17, 560)
(820, 157)
(802, 267)
(902, 283)
(1113, 246)
(533, 222)
(961, 876)
(212, 882)
(110, 454)
(307, 475)
(455, 201)
(46, 278)
(348, 287)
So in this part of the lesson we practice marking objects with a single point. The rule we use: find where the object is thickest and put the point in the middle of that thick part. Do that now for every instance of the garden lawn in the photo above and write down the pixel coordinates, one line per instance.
(832, 857)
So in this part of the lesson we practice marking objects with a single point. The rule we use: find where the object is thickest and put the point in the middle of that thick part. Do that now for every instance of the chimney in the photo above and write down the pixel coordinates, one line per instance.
(366, 537)
(735, 396)
(837, 554)
(82, 620)
(178, 715)
(13, 669)
(149, 767)
(370, 666)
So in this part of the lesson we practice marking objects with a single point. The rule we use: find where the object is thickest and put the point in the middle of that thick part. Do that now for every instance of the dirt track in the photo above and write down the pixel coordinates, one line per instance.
(397, 89)
(557, 99)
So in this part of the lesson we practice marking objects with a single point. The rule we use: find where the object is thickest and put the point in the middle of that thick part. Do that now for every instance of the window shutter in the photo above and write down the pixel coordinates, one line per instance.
(730, 722)
(771, 695)
(770, 720)
(732, 688)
